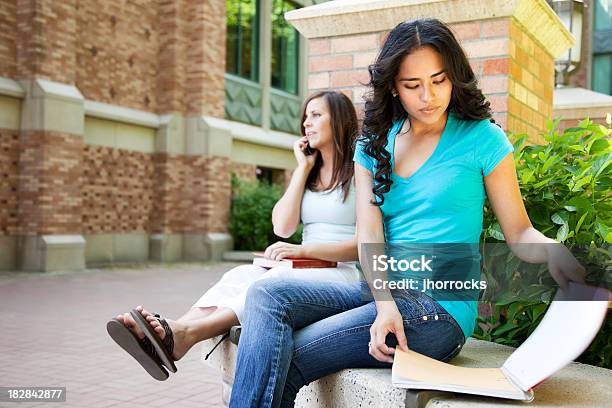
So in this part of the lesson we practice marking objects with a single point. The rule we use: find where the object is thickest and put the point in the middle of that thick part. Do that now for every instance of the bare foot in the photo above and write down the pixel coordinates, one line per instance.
(129, 322)
(182, 342)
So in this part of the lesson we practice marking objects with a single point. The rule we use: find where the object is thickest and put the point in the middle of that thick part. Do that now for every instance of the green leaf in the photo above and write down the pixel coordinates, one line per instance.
(581, 203)
(603, 207)
(599, 145)
(584, 238)
(504, 328)
(603, 230)
(601, 164)
(584, 123)
(577, 185)
(580, 221)
(560, 218)
(548, 163)
(538, 215)
(527, 177)
(495, 232)
(562, 233)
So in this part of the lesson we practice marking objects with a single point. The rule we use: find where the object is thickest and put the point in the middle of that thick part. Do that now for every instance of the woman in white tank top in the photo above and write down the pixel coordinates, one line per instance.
(320, 194)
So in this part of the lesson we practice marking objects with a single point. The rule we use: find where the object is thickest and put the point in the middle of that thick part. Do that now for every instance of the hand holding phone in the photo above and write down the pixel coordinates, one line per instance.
(304, 154)
(308, 150)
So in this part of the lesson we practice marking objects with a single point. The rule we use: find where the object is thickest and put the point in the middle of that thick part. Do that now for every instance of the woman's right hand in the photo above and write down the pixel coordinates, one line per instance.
(388, 320)
(306, 161)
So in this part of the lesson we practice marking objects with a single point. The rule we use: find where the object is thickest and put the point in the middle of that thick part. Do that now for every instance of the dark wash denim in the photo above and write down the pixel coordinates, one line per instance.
(295, 332)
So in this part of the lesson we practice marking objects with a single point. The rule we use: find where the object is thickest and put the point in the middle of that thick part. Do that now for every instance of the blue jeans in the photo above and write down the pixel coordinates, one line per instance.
(295, 332)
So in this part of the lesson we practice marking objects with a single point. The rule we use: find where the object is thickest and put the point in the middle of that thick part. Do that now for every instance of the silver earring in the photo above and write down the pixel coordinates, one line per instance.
(394, 94)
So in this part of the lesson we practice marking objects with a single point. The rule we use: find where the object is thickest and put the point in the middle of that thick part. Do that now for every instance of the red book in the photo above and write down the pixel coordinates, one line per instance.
(297, 263)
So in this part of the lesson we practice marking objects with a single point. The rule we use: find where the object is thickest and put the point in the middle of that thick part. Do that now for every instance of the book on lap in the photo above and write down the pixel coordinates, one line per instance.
(296, 263)
(553, 344)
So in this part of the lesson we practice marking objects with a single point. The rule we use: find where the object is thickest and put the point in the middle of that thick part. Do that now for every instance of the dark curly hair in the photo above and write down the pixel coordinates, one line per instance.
(382, 109)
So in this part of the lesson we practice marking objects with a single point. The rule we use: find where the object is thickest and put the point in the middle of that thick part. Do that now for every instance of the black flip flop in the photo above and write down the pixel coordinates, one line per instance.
(136, 348)
(163, 347)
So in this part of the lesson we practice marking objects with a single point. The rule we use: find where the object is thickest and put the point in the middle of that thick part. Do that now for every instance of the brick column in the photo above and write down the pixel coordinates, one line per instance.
(51, 137)
(192, 164)
(511, 46)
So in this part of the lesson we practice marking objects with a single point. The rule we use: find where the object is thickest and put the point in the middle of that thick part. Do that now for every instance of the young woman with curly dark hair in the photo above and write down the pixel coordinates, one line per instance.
(428, 155)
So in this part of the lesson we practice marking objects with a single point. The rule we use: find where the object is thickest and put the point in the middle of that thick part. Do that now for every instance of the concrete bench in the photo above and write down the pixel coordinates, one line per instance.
(577, 385)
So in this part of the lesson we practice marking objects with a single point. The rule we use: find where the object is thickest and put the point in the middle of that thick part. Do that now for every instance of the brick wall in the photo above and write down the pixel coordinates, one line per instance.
(206, 58)
(9, 182)
(126, 191)
(157, 56)
(341, 63)
(567, 123)
(217, 190)
(46, 40)
(580, 77)
(8, 34)
(486, 45)
(532, 80)
(117, 190)
(50, 171)
(244, 171)
(116, 52)
(173, 177)
(514, 73)
(191, 59)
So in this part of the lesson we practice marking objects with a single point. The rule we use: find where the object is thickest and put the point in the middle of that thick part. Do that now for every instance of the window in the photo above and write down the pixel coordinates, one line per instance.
(242, 38)
(602, 47)
(285, 49)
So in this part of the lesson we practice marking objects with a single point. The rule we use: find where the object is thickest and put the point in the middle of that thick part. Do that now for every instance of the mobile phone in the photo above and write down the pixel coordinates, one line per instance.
(308, 150)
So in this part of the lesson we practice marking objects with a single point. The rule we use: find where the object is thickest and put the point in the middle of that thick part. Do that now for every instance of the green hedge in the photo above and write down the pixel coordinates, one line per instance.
(566, 186)
(251, 215)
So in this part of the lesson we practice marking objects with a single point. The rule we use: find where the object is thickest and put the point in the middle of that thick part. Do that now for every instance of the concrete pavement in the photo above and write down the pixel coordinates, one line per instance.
(54, 334)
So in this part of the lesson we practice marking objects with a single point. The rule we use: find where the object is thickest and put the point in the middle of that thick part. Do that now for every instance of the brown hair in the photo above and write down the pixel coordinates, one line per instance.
(344, 131)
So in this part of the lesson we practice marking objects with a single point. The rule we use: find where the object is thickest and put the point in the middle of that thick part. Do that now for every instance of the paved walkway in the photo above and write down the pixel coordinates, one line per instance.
(54, 334)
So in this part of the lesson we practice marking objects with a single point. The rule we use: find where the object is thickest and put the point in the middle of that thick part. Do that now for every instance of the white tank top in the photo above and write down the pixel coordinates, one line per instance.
(326, 218)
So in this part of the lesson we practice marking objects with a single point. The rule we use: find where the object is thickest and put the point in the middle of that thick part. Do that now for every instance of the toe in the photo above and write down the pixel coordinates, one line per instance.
(128, 320)
(160, 332)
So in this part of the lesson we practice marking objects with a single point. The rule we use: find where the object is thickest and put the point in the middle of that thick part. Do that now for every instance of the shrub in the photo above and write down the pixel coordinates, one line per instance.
(251, 215)
(565, 185)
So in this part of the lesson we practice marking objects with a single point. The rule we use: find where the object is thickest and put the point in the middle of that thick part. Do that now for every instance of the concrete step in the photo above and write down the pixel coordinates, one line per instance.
(577, 385)
(238, 256)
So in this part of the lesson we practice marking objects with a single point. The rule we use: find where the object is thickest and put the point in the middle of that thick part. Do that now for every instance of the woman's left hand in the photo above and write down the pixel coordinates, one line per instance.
(281, 250)
(563, 266)
(388, 320)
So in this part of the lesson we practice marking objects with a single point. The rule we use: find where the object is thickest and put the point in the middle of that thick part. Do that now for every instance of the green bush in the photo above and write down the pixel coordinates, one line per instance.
(251, 215)
(565, 184)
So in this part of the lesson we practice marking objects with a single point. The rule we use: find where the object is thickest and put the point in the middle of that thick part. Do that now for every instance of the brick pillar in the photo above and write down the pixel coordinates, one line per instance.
(51, 138)
(511, 46)
(192, 192)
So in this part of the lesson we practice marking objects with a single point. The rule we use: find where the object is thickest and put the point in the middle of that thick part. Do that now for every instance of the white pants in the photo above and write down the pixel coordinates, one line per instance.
(231, 289)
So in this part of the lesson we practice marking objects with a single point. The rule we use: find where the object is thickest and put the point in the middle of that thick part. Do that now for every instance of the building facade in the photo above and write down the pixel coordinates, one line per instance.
(122, 121)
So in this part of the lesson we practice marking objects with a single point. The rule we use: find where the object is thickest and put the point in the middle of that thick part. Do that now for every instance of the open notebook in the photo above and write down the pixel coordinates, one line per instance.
(564, 333)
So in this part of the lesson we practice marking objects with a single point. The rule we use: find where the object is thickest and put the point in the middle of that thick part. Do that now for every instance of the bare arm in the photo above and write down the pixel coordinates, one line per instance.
(286, 212)
(505, 197)
(370, 231)
(343, 251)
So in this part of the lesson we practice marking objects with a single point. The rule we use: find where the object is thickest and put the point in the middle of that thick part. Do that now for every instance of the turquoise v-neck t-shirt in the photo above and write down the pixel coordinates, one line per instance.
(442, 201)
